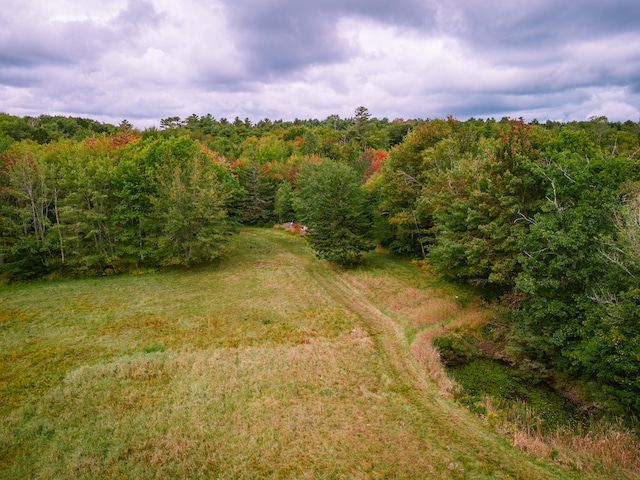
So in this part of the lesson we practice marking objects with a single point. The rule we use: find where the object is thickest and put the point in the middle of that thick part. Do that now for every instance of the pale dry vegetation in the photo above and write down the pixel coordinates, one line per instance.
(423, 312)
(602, 448)
(308, 409)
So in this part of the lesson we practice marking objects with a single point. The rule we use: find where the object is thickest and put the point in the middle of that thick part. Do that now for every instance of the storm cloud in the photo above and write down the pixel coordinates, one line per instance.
(144, 60)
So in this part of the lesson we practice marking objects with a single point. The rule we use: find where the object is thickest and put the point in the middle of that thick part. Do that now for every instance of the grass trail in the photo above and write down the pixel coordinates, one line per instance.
(270, 364)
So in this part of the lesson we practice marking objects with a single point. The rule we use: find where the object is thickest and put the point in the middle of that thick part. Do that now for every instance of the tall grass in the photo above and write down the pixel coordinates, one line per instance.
(600, 447)
(427, 310)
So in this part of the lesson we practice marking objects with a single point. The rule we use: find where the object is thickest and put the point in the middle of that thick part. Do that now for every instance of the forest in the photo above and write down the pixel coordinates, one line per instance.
(541, 219)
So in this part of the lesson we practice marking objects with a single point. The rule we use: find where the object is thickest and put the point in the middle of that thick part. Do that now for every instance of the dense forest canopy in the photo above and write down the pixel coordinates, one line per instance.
(541, 217)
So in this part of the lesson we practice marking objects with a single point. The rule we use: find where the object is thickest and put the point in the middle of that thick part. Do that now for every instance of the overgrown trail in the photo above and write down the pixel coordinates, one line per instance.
(378, 324)
(471, 451)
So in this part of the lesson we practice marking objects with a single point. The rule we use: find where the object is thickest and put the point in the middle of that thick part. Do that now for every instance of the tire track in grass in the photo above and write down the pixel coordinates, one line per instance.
(458, 436)
(379, 325)
(455, 440)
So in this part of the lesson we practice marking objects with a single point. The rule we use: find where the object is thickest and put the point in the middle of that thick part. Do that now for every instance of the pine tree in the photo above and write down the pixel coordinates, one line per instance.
(331, 204)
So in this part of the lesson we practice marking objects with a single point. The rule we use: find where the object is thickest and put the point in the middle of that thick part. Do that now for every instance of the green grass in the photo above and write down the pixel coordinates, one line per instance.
(481, 377)
(269, 364)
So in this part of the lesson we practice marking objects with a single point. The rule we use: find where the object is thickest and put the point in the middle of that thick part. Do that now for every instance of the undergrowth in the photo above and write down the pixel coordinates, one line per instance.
(517, 401)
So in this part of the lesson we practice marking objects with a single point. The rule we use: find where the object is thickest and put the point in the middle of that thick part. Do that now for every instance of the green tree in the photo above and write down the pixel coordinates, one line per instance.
(257, 206)
(88, 205)
(361, 124)
(170, 123)
(484, 206)
(330, 203)
(402, 185)
(190, 204)
(134, 186)
(283, 206)
(561, 260)
(609, 346)
(28, 211)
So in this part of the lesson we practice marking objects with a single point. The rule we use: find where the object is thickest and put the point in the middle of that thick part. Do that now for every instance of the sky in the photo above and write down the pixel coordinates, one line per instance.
(144, 60)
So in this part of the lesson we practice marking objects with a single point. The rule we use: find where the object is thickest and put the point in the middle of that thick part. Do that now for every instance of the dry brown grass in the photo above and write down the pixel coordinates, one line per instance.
(260, 410)
(424, 313)
(611, 448)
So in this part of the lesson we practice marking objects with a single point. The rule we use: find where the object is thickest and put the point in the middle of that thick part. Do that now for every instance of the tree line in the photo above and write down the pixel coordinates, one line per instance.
(545, 221)
(541, 217)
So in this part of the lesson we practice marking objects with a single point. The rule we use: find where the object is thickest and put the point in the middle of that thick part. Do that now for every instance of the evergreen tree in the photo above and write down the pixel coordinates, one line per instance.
(283, 206)
(483, 206)
(331, 204)
(259, 194)
(190, 204)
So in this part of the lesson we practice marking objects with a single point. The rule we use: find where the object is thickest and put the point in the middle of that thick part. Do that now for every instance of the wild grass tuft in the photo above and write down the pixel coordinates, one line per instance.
(156, 347)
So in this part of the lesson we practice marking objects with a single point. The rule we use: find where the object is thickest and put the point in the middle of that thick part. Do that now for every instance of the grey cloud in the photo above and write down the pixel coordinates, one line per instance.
(276, 39)
(541, 23)
(138, 13)
(60, 56)
(506, 104)
(18, 77)
(286, 59)
(29, 42)
(592, 19)
(547, 39)
(57, 43)
(285, 36)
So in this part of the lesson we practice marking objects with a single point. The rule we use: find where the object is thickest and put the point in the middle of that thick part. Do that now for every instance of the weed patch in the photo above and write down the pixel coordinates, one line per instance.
(502, 382)
(156, 347)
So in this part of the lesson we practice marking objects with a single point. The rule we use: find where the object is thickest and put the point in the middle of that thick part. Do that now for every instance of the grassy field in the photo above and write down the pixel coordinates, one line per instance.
(270, 364)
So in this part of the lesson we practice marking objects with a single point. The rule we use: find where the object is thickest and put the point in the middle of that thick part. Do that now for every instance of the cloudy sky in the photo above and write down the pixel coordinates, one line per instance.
(144, 60)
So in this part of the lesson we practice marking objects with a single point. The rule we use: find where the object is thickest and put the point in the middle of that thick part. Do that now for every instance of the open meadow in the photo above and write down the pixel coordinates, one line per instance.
(268, 364)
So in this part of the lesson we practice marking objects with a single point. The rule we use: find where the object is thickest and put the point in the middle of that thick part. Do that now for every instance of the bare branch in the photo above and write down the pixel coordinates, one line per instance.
(555, 194)
(614, 258)
(565, 172)
(530, 255)
(531, 220)
(409, 177)
(610, 301)
(604, 297)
